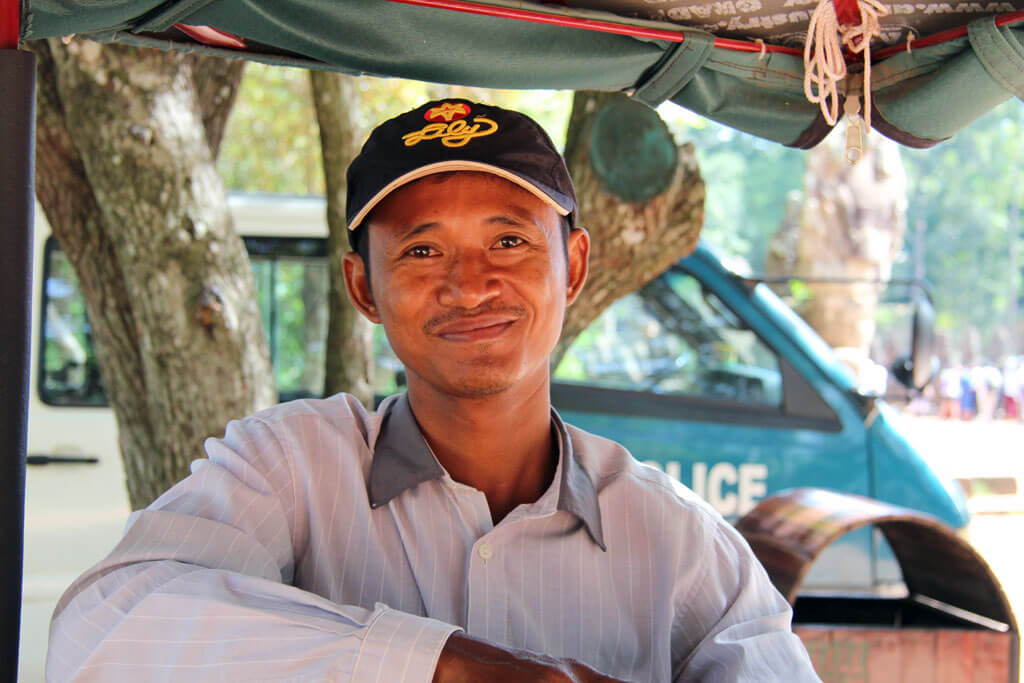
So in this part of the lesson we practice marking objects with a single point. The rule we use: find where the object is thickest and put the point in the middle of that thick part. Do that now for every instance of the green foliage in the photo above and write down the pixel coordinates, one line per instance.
(964, 191)
(799, 290)
(272, 143)
(747, 179)
(290, 352)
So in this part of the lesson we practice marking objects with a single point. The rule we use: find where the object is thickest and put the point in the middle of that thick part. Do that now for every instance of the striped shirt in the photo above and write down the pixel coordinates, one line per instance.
(322, 542)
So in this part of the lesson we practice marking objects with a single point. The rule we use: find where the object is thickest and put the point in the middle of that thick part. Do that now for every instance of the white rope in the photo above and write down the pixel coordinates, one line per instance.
(824, 65)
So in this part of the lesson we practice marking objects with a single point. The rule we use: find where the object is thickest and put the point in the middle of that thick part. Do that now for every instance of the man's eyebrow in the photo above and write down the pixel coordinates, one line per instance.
(507, 219)
(415, 230)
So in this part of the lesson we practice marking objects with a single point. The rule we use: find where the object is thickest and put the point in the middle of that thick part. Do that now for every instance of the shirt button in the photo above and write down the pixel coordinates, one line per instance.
(485, 551)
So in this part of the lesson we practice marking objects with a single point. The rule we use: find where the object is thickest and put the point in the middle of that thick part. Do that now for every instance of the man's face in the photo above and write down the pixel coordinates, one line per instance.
(470, 280)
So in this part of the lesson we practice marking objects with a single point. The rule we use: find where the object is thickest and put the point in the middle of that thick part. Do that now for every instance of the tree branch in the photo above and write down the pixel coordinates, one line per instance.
(216, 81)
(349, 336)
(631, 241)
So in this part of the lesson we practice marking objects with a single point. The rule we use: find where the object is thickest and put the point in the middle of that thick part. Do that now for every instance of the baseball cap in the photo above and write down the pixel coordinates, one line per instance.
(457, 135)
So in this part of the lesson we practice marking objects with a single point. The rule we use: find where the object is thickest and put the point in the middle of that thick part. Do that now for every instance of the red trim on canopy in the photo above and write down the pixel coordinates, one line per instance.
(747, 46)
(10, 24)
(545, 18)
(207, 35)
(944, 36)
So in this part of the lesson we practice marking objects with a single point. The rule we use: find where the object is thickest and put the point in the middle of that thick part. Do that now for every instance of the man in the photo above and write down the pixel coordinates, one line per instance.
(463, 532)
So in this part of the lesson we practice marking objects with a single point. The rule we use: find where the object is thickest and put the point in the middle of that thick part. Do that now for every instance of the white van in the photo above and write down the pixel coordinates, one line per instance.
(76, 503)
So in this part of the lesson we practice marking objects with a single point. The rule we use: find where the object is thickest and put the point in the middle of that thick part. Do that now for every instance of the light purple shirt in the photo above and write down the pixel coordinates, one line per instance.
(322, 542)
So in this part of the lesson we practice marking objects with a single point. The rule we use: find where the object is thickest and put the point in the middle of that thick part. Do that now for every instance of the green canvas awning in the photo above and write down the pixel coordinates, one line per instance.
(964, 59)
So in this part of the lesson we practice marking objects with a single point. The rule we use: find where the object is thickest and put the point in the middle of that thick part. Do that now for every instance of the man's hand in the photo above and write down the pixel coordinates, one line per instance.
(467, 659)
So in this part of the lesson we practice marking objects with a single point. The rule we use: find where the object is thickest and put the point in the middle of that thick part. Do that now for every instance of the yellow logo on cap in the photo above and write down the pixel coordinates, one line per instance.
(455, 131)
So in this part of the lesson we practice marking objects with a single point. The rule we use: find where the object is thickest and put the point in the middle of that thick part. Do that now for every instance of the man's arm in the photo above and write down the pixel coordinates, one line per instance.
(199, 589)
(740, 623)
(465, 658)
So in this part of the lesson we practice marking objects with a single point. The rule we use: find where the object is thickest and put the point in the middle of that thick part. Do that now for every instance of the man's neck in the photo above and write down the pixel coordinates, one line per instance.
(501, 445)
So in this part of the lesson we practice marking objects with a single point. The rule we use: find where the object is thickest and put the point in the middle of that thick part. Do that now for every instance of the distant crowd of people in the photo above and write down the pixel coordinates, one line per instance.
(983, 391)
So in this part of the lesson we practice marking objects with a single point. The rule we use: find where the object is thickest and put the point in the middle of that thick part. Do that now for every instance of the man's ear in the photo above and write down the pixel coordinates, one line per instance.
(358, 286)
(579, 261)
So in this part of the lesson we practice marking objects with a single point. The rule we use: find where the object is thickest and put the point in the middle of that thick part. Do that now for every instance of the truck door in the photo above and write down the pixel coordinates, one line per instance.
(689, 378)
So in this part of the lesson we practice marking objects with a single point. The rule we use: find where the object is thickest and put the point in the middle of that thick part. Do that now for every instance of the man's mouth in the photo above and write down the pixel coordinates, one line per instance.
(475, 328)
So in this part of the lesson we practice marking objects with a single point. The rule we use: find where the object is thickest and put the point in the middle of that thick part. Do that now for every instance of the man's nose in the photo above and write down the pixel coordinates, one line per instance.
(470, 282)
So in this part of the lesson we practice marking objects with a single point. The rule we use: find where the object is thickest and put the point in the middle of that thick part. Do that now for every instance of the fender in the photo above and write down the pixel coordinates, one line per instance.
(955, 612)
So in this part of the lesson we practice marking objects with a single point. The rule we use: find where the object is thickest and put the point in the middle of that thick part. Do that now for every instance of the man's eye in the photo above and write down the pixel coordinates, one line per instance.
(420, 251)
(510, 241)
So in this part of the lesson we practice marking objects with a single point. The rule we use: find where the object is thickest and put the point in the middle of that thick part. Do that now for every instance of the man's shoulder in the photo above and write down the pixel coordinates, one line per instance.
(342, 416)
(289, 442)
(340, 404)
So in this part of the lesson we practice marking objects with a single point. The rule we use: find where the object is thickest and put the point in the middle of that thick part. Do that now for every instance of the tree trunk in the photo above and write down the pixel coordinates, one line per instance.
(849, 223)
(216, 81)
(349, 335)
(135, 201)
(632, 241)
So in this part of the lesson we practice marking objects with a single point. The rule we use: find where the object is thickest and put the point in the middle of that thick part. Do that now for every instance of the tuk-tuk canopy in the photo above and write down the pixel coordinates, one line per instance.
(931, 67)
(918, 69)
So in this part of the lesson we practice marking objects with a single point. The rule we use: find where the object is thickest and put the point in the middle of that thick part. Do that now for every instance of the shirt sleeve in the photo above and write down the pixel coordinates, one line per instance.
(199, 589)
(742, 625)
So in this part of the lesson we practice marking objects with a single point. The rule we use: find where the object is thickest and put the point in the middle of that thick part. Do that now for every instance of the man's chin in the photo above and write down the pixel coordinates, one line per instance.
(482, 379)
(479, 388)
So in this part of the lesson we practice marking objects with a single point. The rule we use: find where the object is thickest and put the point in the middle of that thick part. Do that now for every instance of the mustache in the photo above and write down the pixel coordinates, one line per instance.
(461, 313)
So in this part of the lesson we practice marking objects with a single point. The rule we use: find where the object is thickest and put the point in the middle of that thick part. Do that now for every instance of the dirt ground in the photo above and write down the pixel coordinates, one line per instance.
(998, 538)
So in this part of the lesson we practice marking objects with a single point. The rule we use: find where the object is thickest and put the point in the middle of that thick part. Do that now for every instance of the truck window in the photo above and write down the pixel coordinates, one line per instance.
(292, 285)
(674, 337)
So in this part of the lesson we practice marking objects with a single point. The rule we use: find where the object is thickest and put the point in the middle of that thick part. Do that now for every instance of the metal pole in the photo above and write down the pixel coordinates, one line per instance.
(17, 131)
(920, 227)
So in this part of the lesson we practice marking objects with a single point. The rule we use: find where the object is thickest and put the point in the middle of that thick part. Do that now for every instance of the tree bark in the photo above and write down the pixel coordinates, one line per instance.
(849, 223)
(216, 81)
(631, 242)
(135, 201)
(349, 364)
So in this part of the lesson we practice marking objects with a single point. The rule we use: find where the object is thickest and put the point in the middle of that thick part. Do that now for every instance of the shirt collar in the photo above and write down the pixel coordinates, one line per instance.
(402, 459)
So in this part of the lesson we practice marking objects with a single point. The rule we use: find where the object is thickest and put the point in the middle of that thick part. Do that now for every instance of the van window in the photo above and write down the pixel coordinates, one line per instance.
(674, 337)
(68, 372)
(291, 282)
(292, 286)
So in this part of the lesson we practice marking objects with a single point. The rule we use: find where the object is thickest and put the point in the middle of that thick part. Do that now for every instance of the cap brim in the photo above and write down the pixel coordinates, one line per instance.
(444, 166)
